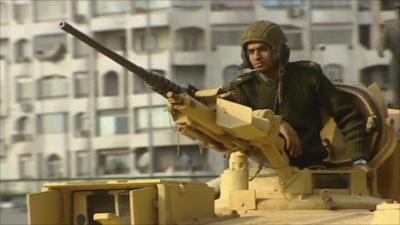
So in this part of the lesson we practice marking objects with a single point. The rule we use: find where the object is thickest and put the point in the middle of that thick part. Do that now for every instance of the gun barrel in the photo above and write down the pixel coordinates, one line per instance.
(157, 82)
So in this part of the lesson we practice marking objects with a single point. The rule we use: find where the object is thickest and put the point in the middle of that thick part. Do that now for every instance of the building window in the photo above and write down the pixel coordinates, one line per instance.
(331, 36)
(113, 122)
(22, 51)
(139, 85)
(22, 11)
(49, 47)
(81, 84)
(4, 11)
(364, 35)
(230, 73)
(81, 125)
(82, 10)
(188, 4)
(190, 39)
(282, 3)
(225, 38)
(189, 158)
(54, 166)
(52, 123)
(4, 52)
(142, 160)
(115, 161)
(141, 42)
(219, 5)
(22, 126)
(23, 130)
(54, 86)
(193, 75)
(160, 118)
(389, 4)
(364, 5)
(3, 148)
(110, 84)
(103, 7)
(337, 4)
(49, 10)
(82, 158)
(376, 74)
(294, 37)
(81, 49)
(141, 6)
(26, 166)
(158, 39)
(114, 40)
(334, 72)
(24, 89)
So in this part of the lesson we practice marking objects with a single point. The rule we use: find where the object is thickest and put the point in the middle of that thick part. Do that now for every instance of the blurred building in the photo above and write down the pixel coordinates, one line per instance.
(67, 111)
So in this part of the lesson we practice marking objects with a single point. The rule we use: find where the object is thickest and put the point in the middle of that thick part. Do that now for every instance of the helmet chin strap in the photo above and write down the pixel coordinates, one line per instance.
(279, 97)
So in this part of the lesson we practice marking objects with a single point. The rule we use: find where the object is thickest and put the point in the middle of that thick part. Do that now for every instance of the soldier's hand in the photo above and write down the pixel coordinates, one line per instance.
(293, 143)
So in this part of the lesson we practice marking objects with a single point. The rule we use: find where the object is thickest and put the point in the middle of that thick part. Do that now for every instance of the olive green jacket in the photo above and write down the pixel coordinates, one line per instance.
(305, 92)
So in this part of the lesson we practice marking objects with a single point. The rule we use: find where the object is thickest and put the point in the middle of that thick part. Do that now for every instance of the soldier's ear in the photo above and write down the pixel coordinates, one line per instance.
(282, 54)
(245, 58)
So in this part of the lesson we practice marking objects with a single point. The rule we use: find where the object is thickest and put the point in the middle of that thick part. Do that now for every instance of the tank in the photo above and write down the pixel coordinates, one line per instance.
(274, 193)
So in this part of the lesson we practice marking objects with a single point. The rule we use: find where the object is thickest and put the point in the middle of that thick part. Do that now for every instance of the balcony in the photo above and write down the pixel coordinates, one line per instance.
(24, 67)
(52, 105)
(105, 64)
(294, 16)
(157, 19)
(160, 59)
(232, 17)
(165, 137)
(196, 18)
(142, 100)
(80, 64)
(332, 16)
(22, 138)
(104, 23)
(185, 58)
(113, 102)
(112, 141)
(4, 31)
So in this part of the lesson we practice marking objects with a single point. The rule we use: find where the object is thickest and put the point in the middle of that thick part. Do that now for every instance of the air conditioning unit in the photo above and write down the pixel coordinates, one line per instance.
(295, 12)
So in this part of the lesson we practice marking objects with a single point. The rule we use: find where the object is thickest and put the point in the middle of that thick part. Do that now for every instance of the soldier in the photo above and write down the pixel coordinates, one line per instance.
(297, 91)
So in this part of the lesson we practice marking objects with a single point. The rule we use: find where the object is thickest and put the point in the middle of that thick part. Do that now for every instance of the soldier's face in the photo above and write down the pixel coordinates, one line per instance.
(260, 56)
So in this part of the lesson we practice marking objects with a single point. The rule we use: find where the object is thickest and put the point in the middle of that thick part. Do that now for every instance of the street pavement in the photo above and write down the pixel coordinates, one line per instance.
(14, 216)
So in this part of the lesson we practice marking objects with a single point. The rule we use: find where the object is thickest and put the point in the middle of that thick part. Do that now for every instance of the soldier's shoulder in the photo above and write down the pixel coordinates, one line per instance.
(242, 78)
(305, 65)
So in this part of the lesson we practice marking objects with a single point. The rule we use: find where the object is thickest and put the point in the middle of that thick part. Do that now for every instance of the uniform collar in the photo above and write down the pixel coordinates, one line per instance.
(267, 79)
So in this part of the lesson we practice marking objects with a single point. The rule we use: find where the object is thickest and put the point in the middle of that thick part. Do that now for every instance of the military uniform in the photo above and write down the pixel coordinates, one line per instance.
(305, 91)
(299, 93)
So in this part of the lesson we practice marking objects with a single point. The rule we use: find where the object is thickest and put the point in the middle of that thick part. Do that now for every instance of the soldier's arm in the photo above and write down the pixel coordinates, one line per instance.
(348, 118)
(234, 92)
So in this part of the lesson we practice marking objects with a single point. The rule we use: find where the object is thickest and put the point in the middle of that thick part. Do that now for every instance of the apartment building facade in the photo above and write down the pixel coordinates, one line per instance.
(69, 112)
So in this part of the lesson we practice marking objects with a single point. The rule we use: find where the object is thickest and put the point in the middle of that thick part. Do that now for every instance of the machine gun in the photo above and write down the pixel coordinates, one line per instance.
(227, 127)
(154, 80)
(201, 115)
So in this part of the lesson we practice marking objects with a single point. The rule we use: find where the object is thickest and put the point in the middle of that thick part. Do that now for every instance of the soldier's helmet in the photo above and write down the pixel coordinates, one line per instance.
(266, 32)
